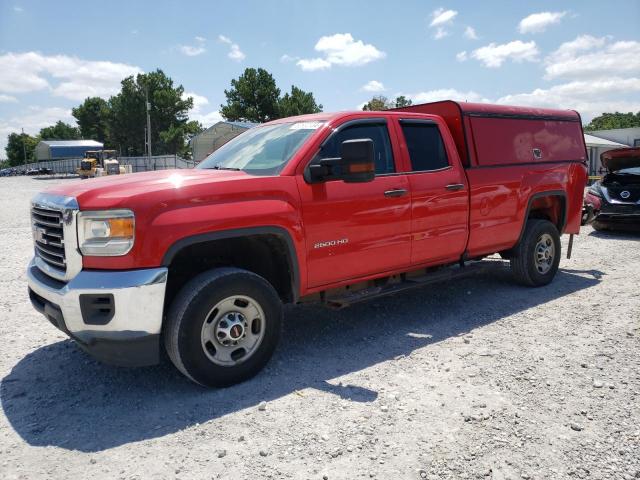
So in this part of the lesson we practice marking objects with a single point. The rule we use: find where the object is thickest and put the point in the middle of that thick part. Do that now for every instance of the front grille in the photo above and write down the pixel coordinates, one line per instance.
(48, 235)
(632, 196)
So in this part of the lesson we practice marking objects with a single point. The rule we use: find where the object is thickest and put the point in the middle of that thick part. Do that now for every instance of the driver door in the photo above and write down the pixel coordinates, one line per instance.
(357, 229)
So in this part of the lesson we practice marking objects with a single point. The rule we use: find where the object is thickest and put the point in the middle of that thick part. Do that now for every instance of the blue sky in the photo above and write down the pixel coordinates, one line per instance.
(583, 55)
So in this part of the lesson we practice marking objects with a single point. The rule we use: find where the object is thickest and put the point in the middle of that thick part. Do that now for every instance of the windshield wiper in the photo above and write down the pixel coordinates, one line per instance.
(218, 167)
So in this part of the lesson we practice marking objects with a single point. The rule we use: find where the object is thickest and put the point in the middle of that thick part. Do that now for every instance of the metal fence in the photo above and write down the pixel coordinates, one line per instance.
(66, 166)
(159, 162)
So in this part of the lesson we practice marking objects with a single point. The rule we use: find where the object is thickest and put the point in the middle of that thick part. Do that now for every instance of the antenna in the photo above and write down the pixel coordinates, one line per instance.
(148, 104)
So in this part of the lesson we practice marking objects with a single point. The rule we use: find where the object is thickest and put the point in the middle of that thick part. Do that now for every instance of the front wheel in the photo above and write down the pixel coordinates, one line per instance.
(223, 326)
(599, 227)
(536, 258)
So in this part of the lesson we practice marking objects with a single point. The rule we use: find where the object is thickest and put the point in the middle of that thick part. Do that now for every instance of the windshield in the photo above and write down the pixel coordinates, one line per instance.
(261, 150)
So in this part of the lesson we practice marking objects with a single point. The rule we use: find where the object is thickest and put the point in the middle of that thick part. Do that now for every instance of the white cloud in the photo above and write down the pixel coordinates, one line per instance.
(199, 101)
(64, 76)
(340, 49)
(198, 48)
(197, 112)
(592, 57)
(470, 33)
(18, 9)
(373, 86)
(440, 18)
(589, 97)
(440, 33)
(462, 56)
(494, 55)
(445, 94)
(288, 58)
(538, 22)
(235, 53)
(32, 120)
(7, 99)
(313, 64)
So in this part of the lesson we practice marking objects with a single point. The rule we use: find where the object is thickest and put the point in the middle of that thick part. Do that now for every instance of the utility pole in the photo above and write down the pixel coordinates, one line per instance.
(148, 123)
(24, 149)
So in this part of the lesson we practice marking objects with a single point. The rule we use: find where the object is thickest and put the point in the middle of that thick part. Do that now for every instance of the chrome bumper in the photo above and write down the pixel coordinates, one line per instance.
(128, 333)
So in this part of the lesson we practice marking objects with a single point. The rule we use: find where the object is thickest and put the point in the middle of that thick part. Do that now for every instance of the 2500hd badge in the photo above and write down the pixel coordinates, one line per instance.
(331, 243)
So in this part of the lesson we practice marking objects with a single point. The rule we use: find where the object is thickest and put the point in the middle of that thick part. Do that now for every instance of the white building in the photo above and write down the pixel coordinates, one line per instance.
(208, 141)
(629, 137)
(595, 147)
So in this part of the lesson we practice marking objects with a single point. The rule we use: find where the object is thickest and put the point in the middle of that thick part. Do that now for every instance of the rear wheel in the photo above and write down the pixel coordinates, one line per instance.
(536, 258)
(223, 326)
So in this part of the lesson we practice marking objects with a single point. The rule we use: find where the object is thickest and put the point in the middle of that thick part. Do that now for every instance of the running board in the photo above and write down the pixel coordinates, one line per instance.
(440, 275)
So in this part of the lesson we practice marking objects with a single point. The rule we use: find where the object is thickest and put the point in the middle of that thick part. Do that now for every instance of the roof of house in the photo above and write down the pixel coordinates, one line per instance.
(245, 125)
(72, 143)
(593, 141)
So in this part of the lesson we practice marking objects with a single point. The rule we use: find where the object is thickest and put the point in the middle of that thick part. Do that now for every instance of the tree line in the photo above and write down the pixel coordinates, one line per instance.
(120, 122)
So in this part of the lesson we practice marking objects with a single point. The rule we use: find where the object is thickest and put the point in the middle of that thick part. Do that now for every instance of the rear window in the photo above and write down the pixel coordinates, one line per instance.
(426, 149)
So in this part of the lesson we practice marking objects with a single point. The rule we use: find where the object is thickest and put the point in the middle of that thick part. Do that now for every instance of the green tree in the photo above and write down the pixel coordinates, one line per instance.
(60, 131)
(252, 97)
(402, 101)
(176, 137)
(381, 102)
(298, 102)
(377, 103)
(92, 117)
(608, 121)
(169, 115)
(15, 150)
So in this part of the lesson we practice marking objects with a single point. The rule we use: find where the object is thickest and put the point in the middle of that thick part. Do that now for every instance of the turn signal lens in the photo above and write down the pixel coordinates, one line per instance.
(121, 227)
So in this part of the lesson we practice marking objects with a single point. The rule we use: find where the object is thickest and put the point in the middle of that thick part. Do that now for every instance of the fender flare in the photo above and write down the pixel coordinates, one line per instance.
(546, 193)
(280, 232)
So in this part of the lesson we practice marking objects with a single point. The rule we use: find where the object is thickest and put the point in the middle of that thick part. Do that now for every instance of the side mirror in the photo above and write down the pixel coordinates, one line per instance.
(355, 165)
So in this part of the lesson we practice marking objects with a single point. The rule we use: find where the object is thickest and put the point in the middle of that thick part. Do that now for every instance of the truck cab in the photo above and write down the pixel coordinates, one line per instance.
(330, 208)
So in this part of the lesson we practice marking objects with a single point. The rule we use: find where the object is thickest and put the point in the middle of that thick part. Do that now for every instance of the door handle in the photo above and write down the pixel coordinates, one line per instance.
(398, 192)
(455, 186)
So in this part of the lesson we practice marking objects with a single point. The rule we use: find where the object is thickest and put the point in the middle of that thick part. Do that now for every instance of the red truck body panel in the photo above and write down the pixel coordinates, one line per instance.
(496, 145)
(348, 232)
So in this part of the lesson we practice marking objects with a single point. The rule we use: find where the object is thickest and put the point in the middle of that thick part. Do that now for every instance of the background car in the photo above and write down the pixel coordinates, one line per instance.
(615, 199)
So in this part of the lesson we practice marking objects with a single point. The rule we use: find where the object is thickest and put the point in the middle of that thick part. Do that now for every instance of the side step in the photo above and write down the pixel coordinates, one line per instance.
(439, 275)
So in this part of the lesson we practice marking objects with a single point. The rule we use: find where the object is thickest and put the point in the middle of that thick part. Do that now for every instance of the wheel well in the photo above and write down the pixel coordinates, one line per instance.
(266, 255)
(549, 207)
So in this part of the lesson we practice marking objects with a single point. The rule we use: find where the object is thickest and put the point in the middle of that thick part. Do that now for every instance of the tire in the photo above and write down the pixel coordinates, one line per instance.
(536, 258)
(212, 310)
(600, 227)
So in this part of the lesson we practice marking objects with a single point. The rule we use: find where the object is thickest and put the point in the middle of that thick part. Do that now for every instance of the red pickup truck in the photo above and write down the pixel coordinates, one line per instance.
(332, 208)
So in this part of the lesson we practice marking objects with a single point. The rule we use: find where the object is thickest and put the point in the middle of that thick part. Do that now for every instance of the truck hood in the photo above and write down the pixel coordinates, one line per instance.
(614, 160)
(110, 191)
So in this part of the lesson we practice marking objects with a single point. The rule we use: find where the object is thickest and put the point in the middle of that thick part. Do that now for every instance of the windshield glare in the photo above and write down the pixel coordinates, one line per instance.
(261, 150)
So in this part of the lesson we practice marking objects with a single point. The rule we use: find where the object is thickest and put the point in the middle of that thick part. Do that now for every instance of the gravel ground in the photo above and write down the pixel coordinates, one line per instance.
(477, 378)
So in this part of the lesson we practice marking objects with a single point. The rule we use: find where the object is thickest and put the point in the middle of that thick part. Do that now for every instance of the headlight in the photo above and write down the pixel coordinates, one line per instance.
(106, 233)
(595, 190)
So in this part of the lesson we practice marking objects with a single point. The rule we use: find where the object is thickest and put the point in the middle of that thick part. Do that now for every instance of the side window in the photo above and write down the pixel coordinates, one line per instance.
(381, 144)
(425, 146)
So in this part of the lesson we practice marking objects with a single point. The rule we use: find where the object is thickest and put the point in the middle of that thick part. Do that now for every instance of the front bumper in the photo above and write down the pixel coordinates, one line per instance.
(622, 215)
(116, 316)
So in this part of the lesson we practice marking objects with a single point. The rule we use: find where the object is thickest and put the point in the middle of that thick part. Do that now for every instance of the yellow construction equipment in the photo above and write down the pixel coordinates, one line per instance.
(100, 162)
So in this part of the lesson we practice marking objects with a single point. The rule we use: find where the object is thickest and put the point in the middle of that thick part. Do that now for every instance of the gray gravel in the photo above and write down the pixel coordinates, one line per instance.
(474, 379)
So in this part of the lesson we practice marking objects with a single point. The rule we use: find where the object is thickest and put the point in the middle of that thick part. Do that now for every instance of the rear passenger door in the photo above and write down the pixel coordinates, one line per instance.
(439, 193)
